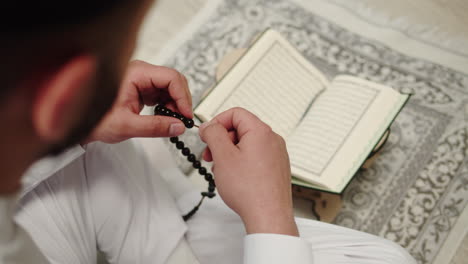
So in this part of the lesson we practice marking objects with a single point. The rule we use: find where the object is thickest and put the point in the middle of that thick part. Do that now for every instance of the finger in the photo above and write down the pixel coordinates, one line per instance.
(154, 126)
(189, 94)
(180, 93)
(233, 137)
(238, 119)
(220, 144)
(159, 96)
(207, 153)
(172, 106)
(150, 99)
(148, 78)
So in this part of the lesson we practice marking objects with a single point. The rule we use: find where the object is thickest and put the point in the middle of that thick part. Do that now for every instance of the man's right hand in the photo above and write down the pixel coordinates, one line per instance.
(252, 171)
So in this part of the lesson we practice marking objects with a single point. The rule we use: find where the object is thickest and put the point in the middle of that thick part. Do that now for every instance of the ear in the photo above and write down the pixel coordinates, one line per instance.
(62, 97)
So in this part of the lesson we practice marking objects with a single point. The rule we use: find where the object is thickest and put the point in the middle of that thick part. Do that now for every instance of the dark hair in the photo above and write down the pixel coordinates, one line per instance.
(33, 15)
(36, 33)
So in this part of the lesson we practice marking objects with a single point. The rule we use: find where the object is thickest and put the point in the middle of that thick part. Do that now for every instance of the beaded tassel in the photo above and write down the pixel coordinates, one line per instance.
(161, 110)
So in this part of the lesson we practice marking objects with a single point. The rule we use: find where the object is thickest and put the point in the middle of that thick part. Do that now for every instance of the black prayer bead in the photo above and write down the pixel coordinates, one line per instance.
(185, 151)
(196, 164)
(202, 171)
(157, 109)
(174, 139)
(211, 183)
(211, 189)
(191, 158)
(189, 123)
(209, 194)
(161, 110)
(208, 177)
(180, 145)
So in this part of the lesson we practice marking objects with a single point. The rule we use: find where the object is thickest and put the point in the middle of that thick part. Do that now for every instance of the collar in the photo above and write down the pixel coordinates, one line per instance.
(46, 167)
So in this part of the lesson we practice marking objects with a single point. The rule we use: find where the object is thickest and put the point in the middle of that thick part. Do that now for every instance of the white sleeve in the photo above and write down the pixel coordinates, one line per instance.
(274, 248)
(16, 246)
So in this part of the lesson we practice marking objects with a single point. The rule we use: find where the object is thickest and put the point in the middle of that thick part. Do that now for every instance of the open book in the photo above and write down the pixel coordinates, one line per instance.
(330, 127)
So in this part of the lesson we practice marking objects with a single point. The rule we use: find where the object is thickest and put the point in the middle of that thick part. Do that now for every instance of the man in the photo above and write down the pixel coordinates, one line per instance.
(62, 63)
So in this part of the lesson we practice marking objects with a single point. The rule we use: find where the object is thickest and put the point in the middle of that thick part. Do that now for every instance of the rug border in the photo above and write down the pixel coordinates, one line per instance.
(453, 240)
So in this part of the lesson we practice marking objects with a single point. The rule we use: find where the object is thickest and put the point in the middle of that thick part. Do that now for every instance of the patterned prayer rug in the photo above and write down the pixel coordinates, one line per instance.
(418, 188)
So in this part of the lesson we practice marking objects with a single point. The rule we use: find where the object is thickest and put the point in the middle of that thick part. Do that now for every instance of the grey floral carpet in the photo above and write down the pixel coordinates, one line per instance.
(418, 187)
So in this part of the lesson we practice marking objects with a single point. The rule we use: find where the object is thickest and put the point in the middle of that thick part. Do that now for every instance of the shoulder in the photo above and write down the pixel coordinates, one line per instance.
(48, 166)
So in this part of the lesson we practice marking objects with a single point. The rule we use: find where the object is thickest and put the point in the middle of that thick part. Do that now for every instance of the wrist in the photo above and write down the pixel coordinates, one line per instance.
(279, 223)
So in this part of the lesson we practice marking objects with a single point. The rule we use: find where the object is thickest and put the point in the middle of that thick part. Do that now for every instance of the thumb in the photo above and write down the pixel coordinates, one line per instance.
(218, 140)
(155, 126)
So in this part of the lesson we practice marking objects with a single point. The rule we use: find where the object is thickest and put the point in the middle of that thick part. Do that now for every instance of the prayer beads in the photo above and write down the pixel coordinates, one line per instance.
(196, 164)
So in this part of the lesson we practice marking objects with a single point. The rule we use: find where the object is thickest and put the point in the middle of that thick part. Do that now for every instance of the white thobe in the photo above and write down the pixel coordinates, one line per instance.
(112, 199)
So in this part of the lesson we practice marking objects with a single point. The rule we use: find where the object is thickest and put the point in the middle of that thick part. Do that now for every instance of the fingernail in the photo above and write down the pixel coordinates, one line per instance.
(202, 126)
(176, 129)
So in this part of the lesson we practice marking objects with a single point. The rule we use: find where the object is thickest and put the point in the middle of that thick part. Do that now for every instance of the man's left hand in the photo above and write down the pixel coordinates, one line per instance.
(145, 84)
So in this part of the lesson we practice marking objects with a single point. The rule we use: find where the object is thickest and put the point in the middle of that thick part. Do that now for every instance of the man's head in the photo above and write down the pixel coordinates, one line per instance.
(61, 65)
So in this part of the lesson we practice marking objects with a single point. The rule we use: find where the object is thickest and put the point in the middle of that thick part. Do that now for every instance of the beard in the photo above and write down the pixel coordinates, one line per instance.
(105, 91)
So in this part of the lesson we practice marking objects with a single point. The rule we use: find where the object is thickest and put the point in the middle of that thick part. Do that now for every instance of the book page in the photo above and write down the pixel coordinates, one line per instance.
(341, 128)
(272, 80)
